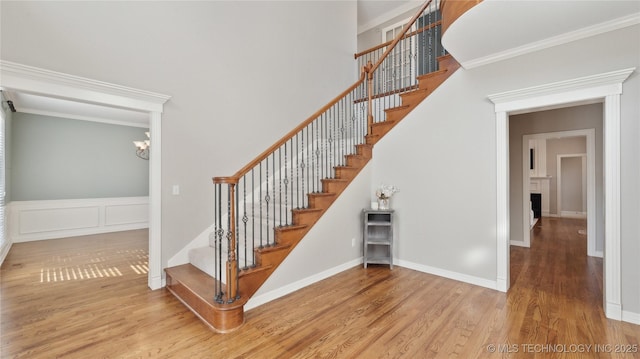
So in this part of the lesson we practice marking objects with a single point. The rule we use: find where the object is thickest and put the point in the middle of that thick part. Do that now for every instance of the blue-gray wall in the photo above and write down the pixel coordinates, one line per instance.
(59, 158)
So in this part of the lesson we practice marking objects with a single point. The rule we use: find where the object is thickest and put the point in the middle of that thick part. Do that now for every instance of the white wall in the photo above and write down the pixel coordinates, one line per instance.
(331, 246)
(57, 158)
(241, 75)
(443, 158)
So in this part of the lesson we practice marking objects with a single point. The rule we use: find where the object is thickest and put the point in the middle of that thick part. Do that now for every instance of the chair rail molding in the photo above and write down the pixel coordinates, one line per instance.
(604, 87)
(34, 80)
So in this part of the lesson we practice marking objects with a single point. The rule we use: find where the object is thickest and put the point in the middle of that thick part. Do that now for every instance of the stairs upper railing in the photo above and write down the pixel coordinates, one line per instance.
(397, 64)
(251, 206)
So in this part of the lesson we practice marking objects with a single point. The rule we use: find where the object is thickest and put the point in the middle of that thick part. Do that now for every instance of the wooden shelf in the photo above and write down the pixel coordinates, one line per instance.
(378, 237)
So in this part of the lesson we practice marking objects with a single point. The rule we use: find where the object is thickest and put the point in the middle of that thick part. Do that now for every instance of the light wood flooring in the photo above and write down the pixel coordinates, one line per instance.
(87, 297)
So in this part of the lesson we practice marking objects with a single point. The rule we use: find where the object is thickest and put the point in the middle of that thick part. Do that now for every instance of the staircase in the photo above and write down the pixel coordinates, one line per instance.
(266, 208)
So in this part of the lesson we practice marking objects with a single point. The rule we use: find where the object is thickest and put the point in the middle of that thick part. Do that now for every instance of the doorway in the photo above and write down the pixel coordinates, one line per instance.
(543, 177)
(27, 79)
(606, 87)
(572, 185)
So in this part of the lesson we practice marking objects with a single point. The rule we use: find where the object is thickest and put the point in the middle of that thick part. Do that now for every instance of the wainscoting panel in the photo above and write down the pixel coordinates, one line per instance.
(38, 220)
(121, 214)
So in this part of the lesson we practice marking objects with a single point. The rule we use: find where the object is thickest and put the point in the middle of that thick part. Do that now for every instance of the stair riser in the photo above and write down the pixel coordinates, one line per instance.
(432, 82)
(329, 186)
(447, 62)
(395, 116)
(413, 98)
(364, 151)
(306, 218)
(320, 201)
(347, 173)
(381, 128)
(357, 161)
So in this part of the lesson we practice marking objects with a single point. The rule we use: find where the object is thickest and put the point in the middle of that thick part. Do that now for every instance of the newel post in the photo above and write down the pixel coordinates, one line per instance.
(232, 258)
(367, 69)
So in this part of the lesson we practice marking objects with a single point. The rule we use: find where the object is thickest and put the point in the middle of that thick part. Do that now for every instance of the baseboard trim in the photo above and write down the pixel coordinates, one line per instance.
(156, 282)
(613, 311)
(599, 254)
(631, 317)
(572, 214)
(290, 288)
(482, 282)
(6, 246)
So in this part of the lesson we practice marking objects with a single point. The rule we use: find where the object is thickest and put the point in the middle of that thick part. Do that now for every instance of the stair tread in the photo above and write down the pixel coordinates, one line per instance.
(291, 227)
(252, 270)
(383, 123)
(336, 180)
(198, 282)
(415, 92)
(276, 247)
(432, 74)
(397, 108)
(307, 210)
(322, 194)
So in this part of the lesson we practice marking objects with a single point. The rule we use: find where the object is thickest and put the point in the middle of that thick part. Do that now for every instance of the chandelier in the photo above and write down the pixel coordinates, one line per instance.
(142, 147)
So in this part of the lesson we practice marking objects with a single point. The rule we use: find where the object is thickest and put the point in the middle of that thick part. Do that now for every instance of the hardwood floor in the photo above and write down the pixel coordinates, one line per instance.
(107, 311)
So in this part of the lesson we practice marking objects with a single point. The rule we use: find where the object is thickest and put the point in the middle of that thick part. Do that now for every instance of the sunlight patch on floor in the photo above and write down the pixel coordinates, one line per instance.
(83, 266)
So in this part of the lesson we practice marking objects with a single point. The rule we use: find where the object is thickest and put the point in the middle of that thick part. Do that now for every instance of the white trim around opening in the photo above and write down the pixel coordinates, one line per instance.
(28, 79)
(606, 86)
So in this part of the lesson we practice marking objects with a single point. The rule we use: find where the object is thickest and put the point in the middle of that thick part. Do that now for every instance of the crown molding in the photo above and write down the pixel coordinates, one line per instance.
(32, 79)
(601, 28)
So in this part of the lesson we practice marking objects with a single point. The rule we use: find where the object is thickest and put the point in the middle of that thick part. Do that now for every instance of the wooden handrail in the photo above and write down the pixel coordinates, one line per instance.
(244, 170)
(399, 37)
(378, 47)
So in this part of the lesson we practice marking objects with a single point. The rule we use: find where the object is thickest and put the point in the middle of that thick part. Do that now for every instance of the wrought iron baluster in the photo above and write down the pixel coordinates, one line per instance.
(324, 148)
(217, 265)
(305, 160)
(282, 181)
(267, 200)
(253, 219)
(273, 162)
(261, 198)
(431, 69)
(231, 251)
(245, 219)
(297, 176)
(332, 144)
(317, 156)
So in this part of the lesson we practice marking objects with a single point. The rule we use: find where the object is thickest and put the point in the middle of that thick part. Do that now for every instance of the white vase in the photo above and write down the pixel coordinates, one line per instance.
(383, 203)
